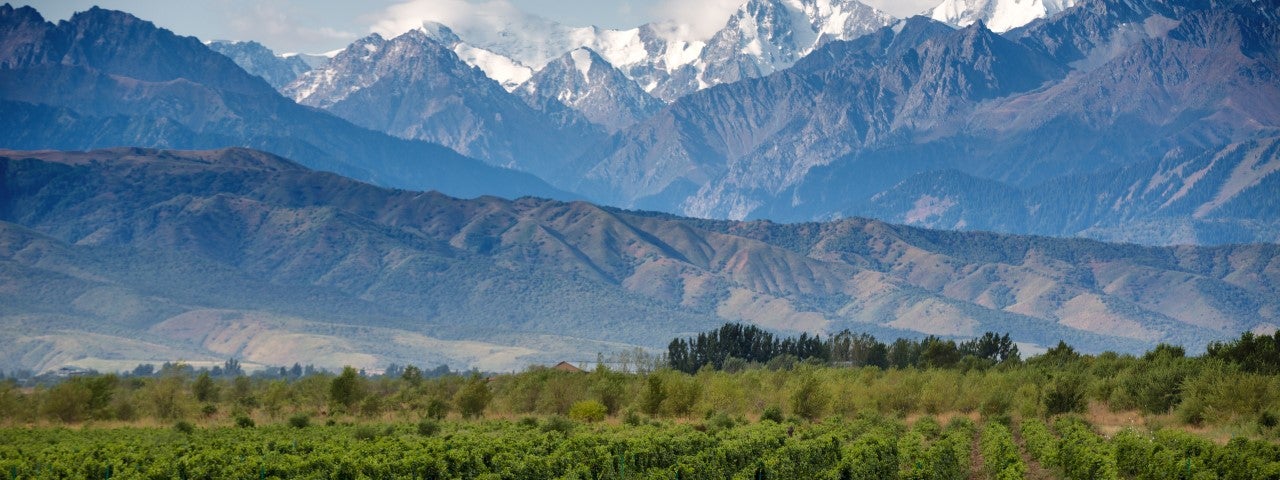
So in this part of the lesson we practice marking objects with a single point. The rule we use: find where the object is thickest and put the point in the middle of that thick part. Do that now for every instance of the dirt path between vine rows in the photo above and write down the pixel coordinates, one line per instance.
(976, 467)
(1035, 471)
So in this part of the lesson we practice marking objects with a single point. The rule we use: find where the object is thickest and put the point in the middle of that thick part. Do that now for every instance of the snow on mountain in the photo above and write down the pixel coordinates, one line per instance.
(585, 82)
(347, 72)
(505, 70)
(253, 57)
(665, 59)
(415, 86)
(998, 15)
(314, 60)
(765, 36)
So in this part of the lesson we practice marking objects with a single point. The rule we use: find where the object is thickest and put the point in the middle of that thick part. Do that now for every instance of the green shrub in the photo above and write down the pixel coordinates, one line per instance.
(429, 428)
(558, 423)
(772, 414)
(437, 408)
(719, 421)
(810, 400)
(185, 427)
(589, 411)
(474, 398)
(366, 432)
(1065, 393)
(1268, 420)
(632, 418)
(243, 421)
(301, 420)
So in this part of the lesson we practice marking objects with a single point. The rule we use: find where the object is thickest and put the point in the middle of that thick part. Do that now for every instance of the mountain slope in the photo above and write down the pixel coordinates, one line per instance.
(106, 78)
(259, 60)
(765, 36)
(1106, 87)
(740, 145)
(586, 83)
(998, 15)
(415, 87)
(1225, 196)
(761, 37)
(239, 253)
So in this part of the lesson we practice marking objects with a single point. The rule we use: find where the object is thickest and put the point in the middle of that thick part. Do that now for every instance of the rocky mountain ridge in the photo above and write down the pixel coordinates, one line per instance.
(113, 257)
(106, 78)
(259, 60)
(1095, 91)
(416, 87)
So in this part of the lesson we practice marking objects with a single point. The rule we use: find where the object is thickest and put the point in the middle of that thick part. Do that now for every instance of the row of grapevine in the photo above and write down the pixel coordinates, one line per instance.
(471, 450)
(864, 448)
(1171, 454)
(1083, 454)
(1168, 454)
(928, 452)
(1040, 442)
(1000, 454)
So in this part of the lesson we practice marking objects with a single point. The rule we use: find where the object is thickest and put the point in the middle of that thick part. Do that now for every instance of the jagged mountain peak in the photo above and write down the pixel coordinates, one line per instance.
(999, 15)
(416, 87)
(99, 16)
(585, 82)
(107, 78)
(439, 32)
(761, 37)
(25, 13)
(137, 49)
(361, 64)
(765, 36)
(259, 60)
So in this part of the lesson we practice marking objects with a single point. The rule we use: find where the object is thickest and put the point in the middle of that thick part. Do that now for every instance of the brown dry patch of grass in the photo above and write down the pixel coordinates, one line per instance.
(943, 418)
(1110, 422)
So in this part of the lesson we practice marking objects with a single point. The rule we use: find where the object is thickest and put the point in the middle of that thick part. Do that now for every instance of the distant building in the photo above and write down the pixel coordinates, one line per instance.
(567, 367)
(70, 371)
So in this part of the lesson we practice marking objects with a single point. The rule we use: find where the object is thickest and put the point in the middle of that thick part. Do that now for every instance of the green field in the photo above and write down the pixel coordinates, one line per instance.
(866, 447)
(942, 412)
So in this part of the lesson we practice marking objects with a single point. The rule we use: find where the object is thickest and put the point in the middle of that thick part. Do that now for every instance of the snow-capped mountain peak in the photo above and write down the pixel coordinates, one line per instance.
(764, 36)
(999, 15)
(587, 83)
(583, 59)
(664, 58)
(253, 57)
(505, 70)
(336, 80)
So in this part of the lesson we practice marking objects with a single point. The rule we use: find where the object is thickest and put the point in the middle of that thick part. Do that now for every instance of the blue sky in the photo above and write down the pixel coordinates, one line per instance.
(315, 26)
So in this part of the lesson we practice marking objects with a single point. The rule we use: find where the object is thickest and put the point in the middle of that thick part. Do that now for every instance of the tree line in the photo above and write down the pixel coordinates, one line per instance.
(849, 374)
(734, 345)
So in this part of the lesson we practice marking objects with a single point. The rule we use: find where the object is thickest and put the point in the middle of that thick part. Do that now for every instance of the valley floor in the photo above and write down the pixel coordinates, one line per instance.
(953, 446)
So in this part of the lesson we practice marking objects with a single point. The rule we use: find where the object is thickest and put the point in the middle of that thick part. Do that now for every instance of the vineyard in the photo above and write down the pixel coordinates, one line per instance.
(868, 447)
(1061, 414)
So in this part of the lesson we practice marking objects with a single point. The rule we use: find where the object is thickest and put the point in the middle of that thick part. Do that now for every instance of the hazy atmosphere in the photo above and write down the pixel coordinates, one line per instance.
(618, 239)
(320, 26)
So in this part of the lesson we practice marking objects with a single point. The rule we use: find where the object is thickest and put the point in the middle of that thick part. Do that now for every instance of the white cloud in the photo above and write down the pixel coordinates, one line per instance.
(701, 18)
(460, 15)
(903, 8)
(275, 24)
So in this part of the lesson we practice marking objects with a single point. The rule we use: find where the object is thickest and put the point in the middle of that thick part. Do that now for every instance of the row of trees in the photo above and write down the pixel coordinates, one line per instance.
(1204, 390)
(743, 342)
(1254, 353)
(734, 345)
